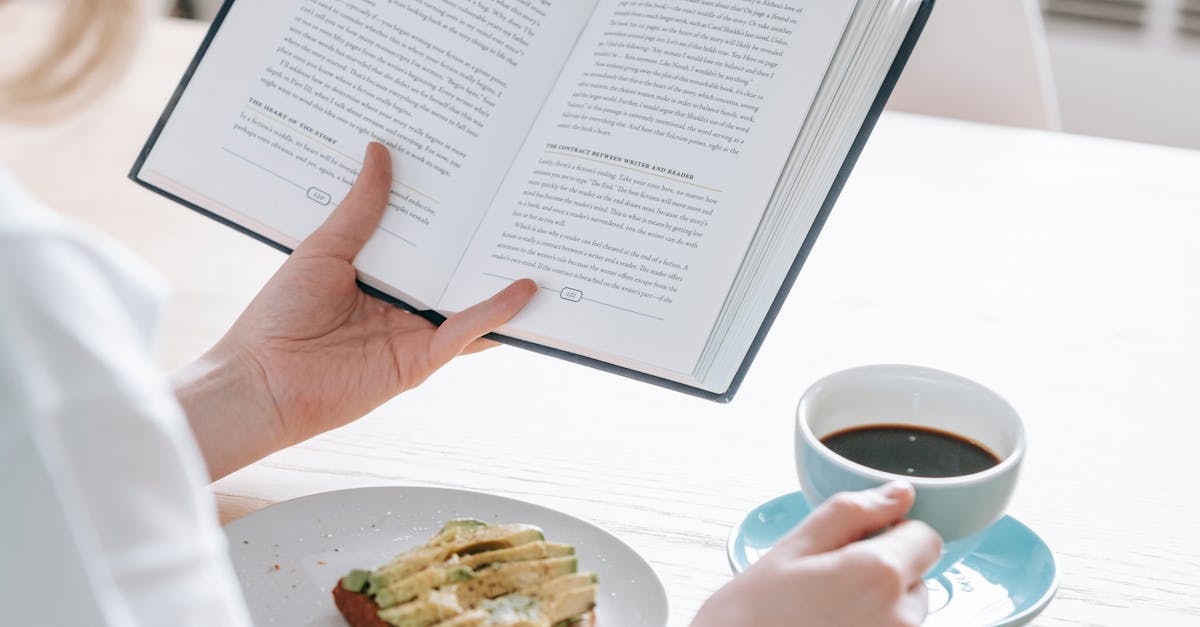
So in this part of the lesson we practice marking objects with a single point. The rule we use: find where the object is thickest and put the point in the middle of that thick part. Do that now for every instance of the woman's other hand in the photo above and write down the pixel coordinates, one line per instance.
(824, 573)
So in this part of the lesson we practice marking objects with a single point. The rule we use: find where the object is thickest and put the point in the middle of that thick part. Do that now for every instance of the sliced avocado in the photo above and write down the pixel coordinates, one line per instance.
(460, 534)
(572, 603)
(461, 523)
(501, 579)
(420, 582)
(355, 580)
(501, 541)
(548, 589)
(531, 551)
(460, 574)
(458, 541)
(433, 607)
(472, 574)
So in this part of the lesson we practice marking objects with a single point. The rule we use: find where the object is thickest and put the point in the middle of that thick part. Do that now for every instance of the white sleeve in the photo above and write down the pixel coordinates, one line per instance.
(105, 518)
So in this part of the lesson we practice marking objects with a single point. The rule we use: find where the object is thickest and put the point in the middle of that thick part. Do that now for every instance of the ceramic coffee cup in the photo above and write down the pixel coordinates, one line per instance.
(959, 508)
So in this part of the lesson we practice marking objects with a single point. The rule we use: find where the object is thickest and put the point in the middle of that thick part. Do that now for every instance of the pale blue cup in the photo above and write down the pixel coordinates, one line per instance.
(959, 508)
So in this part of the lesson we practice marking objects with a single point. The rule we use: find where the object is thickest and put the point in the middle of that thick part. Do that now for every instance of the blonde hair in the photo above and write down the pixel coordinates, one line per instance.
(85, 53)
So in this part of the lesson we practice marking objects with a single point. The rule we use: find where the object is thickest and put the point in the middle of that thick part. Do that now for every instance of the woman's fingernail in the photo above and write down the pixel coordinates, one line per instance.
(897, 490)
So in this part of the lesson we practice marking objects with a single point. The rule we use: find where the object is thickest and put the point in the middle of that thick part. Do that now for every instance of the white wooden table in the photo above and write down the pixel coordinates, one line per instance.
(1062, 271)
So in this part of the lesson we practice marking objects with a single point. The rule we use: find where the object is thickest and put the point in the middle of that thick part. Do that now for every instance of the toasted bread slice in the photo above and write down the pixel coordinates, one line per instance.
(473, 574)
(358, 609)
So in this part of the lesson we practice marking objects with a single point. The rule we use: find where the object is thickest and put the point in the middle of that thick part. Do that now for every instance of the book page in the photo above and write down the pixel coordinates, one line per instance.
(272, 128)
(866, 56)
(647, 173)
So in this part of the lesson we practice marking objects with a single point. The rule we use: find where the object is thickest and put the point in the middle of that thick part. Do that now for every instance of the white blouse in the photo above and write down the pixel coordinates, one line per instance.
(105, 518)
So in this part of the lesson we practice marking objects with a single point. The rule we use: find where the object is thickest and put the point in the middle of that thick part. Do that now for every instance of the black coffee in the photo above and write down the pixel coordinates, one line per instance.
(912, 451)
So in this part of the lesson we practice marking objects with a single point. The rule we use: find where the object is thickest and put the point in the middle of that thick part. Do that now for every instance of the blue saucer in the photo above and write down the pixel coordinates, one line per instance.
(1007, 580)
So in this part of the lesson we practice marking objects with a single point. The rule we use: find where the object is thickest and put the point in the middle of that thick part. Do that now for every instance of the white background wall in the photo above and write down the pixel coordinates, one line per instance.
(1130, 83)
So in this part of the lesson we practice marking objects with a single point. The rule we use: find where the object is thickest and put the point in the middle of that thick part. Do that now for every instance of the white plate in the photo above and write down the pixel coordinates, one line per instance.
(289, 556)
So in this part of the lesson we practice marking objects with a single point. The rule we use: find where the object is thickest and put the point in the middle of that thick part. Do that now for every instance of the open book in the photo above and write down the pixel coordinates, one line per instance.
(659, 167)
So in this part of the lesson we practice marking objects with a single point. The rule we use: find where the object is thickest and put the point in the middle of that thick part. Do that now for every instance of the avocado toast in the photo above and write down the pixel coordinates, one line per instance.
(472, 574)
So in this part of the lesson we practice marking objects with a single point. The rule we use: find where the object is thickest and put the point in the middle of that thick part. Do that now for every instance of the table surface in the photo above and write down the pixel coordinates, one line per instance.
(1062, 271)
